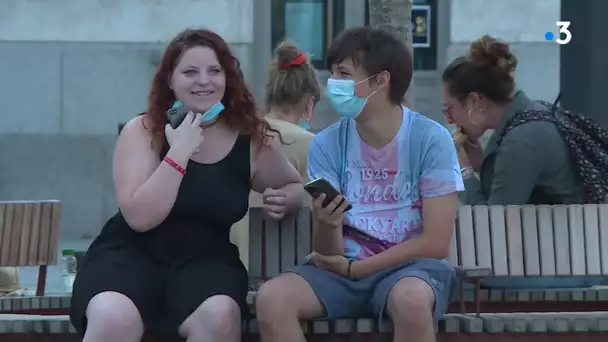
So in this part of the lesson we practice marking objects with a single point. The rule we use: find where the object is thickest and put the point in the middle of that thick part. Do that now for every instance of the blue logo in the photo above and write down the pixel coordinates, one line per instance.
(564, 36)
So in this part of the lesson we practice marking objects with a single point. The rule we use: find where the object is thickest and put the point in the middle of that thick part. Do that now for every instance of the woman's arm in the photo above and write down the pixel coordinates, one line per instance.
(146, 188)
(518, 164)
(272, 170)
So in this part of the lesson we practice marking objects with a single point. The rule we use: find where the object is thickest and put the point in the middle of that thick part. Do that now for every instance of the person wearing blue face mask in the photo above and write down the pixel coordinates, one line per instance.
(399, 171)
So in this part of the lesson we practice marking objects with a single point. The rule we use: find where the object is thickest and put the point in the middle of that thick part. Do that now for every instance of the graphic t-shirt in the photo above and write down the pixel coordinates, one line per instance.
(385, 186)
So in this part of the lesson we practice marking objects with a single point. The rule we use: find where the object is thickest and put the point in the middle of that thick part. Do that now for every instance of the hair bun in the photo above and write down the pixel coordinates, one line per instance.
(285, 52)
(490, 52)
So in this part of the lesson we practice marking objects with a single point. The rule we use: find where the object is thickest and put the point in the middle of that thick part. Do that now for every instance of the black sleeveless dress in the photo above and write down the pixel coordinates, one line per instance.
(170, 270)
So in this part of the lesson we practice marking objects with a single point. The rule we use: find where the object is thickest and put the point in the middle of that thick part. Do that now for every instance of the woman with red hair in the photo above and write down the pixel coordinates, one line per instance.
(165, 261)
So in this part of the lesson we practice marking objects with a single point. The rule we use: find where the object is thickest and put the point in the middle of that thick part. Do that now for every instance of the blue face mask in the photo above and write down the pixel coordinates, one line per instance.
(209, 115)
(304, 124)
(341, 94)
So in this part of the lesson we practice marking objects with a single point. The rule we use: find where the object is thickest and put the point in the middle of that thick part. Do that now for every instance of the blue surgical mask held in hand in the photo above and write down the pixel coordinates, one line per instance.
(341, 94)
(209, 115)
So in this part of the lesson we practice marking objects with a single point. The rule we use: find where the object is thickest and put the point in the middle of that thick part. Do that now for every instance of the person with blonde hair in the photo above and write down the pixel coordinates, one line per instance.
(292, 92)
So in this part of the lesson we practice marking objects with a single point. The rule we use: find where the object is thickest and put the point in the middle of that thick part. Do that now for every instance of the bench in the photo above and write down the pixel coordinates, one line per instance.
(276, 246)
(539, 241)
(532, 241)
(488, 242)
(29, 235)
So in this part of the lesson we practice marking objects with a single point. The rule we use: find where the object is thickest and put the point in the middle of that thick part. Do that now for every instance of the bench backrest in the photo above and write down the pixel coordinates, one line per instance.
(29, 232)
(511, 240)
(275, 246)
(532, 240)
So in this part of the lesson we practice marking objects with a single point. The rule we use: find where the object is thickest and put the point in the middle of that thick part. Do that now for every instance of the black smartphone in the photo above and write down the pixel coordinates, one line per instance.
(177, 115)
(320, 186)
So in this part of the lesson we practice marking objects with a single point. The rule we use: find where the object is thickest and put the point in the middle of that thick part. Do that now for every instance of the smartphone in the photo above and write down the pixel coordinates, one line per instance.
(177, 115)
(320, 186)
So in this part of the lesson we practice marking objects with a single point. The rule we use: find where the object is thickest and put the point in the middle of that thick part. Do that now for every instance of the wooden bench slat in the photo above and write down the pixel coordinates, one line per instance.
(288, 243)
(34, 241)
(514, 241)
(562, 240)
(25, 236)
(256, 223)
(273, 248)
(7, 227)
(577, 239)
(483, 249)
(45, 227)
(53, 251)
(15, 236)
(546, 240)
(592, 239)
(500, 265)
(530, 241)
(303, 234)
(603, 236)
(453, 257)
(466, 237)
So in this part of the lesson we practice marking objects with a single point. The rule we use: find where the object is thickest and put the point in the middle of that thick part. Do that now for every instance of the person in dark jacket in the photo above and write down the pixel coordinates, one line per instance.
(532, 165)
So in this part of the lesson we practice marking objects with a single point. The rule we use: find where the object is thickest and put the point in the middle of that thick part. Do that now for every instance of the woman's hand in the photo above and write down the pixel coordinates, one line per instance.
(474, 152)
(188, 136)
(470, 152)
(275, 201)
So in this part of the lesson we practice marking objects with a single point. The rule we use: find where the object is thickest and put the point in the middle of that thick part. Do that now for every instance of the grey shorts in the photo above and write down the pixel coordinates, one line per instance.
(345, 298)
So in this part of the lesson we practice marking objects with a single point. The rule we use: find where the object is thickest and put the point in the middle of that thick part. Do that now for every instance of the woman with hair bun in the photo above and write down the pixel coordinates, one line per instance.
(532, 165)
(526, 164)
(292, 92)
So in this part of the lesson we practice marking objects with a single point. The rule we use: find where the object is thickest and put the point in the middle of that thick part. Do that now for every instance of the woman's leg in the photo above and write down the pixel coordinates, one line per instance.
(206, 298)
(112, 317)
(218, 318)
(114, 292)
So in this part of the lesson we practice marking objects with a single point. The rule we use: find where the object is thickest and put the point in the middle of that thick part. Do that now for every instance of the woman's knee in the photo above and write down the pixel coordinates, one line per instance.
(217, 316)
(114, 313)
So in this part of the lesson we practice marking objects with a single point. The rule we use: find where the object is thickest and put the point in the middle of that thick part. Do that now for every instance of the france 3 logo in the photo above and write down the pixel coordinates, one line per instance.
(564, 36)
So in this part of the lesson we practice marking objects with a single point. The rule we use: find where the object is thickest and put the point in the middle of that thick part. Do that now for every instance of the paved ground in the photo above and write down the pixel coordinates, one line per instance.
(29, 275)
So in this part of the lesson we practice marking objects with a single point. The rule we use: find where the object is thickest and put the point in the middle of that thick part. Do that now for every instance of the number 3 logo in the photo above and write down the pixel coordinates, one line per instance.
(563, 29)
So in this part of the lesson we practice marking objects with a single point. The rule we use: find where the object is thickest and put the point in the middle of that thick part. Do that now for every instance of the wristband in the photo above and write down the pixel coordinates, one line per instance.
(350, 263)
(467, 172)
(174, 165)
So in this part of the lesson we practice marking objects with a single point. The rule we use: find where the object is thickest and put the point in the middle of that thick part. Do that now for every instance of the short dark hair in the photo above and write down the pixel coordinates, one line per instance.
(487, 68)
(375, 50)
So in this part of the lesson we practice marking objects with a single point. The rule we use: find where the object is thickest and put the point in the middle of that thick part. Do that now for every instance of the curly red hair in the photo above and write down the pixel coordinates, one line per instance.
(240, 109)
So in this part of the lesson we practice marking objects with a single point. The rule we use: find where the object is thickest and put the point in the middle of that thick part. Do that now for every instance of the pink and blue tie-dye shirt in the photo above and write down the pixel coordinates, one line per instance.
(385, 186)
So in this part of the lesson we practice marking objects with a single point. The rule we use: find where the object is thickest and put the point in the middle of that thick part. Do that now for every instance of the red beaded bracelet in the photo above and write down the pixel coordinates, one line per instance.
(175, 165)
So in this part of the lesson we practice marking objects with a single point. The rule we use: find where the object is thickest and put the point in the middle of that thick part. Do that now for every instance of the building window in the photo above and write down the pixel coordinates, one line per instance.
(305, 22)
(424, 18)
